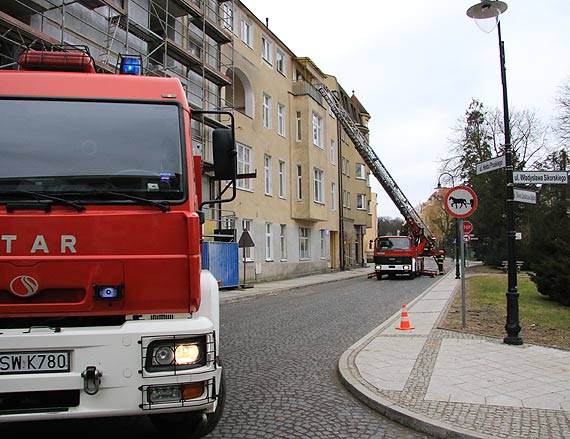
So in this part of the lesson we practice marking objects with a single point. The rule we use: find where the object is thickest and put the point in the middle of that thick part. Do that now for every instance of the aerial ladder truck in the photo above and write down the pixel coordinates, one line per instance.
(393, 255)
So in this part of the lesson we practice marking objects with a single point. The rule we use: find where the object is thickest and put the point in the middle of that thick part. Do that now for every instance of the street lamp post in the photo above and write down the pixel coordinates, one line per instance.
(487, 9)
(457, 234)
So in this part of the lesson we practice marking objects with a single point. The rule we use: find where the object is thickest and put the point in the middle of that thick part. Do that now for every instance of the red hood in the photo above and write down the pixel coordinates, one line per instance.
(49, 263)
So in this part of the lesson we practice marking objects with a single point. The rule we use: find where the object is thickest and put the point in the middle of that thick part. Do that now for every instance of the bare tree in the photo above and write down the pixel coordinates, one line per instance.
(562, 126)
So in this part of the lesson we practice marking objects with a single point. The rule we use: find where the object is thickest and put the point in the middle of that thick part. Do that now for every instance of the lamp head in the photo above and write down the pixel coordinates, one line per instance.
(487, 9)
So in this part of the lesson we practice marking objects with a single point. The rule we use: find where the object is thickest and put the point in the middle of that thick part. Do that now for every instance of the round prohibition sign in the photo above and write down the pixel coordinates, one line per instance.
(460, 201)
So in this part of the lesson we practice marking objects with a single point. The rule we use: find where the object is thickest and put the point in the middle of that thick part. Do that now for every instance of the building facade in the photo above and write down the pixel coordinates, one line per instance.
(304, 195)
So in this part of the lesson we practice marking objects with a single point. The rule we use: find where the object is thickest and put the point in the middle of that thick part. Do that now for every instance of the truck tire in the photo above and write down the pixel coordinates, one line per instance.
(192, 425)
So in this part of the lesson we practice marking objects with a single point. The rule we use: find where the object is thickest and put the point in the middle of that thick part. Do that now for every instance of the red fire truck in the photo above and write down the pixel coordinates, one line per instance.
(104, 307)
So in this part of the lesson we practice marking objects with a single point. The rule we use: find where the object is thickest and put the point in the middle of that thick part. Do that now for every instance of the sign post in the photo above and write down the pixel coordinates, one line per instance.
(461, 202)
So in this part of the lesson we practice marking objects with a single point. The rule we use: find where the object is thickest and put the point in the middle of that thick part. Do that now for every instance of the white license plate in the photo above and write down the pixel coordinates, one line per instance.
(34, 362)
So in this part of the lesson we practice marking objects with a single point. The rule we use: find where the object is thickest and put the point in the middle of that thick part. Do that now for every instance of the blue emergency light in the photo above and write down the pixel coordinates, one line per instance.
(130, 65)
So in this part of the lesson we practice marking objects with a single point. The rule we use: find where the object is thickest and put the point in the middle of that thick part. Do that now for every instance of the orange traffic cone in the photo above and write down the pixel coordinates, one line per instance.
(404, 322)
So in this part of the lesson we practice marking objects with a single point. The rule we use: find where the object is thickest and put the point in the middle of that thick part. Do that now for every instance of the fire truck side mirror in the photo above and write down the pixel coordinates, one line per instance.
(370, 244)
(225, 154)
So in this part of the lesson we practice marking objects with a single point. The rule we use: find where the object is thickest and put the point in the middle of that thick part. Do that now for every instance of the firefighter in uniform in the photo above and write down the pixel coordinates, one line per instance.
(440, 258)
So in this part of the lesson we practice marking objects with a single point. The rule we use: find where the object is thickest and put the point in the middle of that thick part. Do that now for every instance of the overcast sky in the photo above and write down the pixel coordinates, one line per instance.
(416, 65)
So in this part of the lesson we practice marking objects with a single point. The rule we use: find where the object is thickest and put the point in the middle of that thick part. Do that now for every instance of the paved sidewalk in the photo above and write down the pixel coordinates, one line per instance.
(454, 385)
(444, 383)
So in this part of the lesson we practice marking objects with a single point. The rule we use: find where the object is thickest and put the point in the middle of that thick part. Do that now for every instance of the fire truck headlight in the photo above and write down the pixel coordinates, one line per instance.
(406, 267)
(179, 354)
(378, 267)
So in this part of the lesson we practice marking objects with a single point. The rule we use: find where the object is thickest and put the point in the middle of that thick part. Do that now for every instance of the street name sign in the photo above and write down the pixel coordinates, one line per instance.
(525, 196)
(491, 165)
(540, 177)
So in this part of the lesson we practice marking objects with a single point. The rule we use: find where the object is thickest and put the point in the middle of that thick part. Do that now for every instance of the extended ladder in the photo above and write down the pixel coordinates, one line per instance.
(376, 166)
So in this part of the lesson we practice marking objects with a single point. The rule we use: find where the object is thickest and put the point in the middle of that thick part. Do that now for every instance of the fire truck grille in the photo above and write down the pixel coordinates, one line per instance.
(393, 260)
(26, 402)
(70, 295)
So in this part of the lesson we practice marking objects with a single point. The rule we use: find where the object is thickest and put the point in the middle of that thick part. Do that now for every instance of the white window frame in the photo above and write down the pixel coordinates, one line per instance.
(298, 126)
(244, 166)
(246, 32)
(227, 16)
(268, 242)
(280, 62)
(333, 196)
(282, 179)
(304, 243)
(333, 152)
(299, 176)
(267, 49)
(317, 122)
(267, 178)
(318, 183)
(359, 171)
(281, 119)
(360, 201)
(283, 242)
(323, 242)
(266, 111)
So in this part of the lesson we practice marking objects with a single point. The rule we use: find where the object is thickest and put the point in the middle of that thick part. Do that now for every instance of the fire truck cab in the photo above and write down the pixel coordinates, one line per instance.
(104, 307)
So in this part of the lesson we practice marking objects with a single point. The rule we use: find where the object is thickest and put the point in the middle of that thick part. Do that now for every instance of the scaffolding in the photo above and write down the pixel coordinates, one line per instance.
(191, 40)
(176, 38)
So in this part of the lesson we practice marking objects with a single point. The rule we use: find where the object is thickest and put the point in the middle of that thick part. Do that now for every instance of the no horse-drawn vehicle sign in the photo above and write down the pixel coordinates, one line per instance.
(460, 201)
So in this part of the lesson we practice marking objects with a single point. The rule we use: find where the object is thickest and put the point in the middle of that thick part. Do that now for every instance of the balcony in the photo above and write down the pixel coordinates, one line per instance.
(303, 88)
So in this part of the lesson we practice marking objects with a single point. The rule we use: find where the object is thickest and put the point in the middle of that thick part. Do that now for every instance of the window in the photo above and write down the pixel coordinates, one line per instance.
(333, 152)
(299, 183)
(266, 111)
(281, 119)
(227, 16)
(267, 181)
(318, 185)
(298, 127)
(333, 196)
(246, 31)
(369, 207)
(360, 201)
(244, 166)
(266, 49)
(323, 241)
(268, 242)
(246, 226)
(346, 199)
(360, 172)
(304, 243)
(317, 130)
(283, 242)
(282, 179)
(280, 61)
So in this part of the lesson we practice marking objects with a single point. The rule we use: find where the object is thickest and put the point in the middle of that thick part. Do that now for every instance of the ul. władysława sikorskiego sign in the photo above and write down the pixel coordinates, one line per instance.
(540, 177)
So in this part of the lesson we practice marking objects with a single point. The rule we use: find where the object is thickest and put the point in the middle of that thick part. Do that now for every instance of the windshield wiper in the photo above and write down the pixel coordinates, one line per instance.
(164, 206)
(13, 205)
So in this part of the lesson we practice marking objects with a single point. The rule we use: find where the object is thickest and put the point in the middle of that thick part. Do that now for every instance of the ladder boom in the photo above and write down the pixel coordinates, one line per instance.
(417, 226)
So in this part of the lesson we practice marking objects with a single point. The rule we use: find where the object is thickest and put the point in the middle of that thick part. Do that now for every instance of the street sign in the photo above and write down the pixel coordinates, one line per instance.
(491, 165)
(467, 227)
(460, 201)
(466, 238)
(540, 177)
(525, 196)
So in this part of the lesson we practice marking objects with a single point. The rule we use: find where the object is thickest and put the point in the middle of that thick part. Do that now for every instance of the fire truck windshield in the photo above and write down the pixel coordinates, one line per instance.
(65, 146)
(393, 243)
